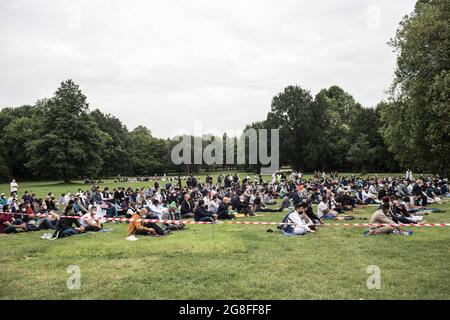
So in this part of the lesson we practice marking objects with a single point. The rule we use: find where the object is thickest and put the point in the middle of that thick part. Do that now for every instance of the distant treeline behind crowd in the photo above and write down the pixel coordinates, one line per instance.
(61, 138)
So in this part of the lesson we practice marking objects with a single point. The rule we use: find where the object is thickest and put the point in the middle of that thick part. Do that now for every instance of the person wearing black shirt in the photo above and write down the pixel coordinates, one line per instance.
(187, 207)
(202, 214)
(65, 226)
(222, 210)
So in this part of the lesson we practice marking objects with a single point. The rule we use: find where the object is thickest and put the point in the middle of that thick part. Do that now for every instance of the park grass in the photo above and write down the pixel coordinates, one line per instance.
(229, 262)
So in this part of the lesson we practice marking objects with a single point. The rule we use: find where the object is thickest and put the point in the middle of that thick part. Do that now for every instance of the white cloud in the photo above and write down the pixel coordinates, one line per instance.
(168, 63)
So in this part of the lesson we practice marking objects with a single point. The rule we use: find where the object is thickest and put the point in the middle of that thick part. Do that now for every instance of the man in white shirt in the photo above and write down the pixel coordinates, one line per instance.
(297, 224)
(67, 197)
(324, 212)
(367, 197)
(89, 221)
(373, 191)
(155, 208)
(14, 186)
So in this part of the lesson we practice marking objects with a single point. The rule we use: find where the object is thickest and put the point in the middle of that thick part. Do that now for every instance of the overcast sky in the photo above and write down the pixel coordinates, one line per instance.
(164, 64)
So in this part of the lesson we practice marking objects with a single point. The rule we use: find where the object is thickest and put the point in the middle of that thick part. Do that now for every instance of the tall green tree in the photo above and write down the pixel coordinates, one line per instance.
(339, 111)
(115, 136)
(17, 127)
(360, 152)
(68, 143)
(416, 119)
(147, 153)
(291, 112)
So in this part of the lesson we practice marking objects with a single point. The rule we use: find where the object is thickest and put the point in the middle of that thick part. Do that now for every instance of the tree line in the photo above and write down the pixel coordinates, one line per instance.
(61, 138)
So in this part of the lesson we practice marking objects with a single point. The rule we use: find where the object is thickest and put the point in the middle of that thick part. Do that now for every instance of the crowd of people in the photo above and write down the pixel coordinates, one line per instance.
(399, 200)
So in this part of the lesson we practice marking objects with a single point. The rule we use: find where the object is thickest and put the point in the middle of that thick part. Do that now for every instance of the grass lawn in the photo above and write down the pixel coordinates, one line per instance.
(227, 262)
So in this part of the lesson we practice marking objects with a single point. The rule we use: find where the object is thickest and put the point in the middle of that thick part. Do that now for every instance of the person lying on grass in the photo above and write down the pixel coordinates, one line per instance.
(380, 217)
(300, 224)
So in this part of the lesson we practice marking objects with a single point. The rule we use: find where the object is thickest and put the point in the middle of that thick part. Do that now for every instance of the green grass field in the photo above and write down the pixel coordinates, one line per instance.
(227, 262)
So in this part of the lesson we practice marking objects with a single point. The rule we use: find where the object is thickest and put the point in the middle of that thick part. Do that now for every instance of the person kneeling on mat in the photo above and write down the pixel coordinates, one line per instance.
(298, 225)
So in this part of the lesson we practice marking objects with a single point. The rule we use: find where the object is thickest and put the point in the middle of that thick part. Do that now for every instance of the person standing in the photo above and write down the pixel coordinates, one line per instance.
(14, 186)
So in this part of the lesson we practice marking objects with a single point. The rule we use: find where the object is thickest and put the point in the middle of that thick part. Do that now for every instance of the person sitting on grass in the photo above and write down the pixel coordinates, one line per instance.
(324, 212)
(213, 204)
(285, 203)
(297, 225)
(78, 206)
(369, 198)
(3, 200)
(155, 207)
(380, 217)
(136, 227)
(310, 212)
(243, 207)
(68, 226)
(222, 211)
(150, 215)
(187, 207)
(259, 206)
(46, 218)
(8, 224)
(89, 221)
(202, 214)
(268, 199)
